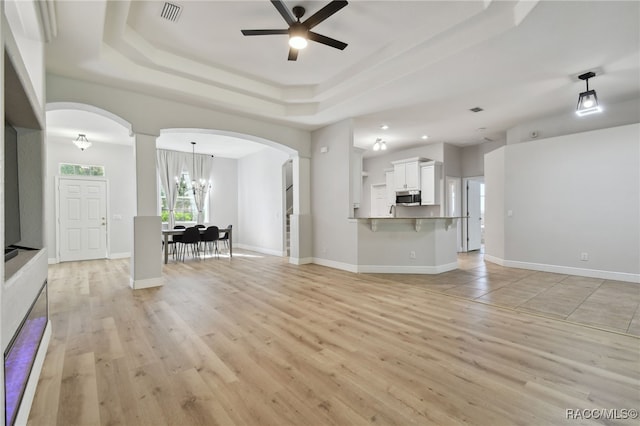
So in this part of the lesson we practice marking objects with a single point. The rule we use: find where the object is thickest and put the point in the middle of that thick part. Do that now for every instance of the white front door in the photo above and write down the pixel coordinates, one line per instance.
(474, 218)
(82, 219)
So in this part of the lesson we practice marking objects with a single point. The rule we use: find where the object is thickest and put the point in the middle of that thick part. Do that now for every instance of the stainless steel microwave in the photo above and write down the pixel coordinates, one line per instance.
(408, 198)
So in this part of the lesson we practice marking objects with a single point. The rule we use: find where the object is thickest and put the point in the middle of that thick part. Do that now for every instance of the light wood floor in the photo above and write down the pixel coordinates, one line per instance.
(256, 341)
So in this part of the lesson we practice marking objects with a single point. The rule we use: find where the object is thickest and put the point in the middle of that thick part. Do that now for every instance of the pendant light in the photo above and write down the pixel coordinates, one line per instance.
(588, 100)
(379, 145)
(82, 142)
(202, 186)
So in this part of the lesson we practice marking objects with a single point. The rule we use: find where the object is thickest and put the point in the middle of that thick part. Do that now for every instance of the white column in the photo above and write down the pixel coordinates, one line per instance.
(146, 259)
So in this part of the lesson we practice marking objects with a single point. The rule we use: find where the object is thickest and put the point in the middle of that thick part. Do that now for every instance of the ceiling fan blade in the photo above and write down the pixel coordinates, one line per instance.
(284, 11)
(293, 54)
(324, 13)
(264, 32)
(326, 40)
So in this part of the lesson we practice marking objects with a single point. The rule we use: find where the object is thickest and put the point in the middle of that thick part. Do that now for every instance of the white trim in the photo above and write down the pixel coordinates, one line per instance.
(57, 180)
(147, 283)
(300, 261)
(272, 252)
(52, 261)
(336, 265)
(30, 390)
(493, 259)
(386, 269)
(568, 270)
(405, 269)
(119, 255)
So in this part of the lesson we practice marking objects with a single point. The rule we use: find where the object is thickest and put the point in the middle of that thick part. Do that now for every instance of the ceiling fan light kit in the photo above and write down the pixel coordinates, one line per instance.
(300, 32)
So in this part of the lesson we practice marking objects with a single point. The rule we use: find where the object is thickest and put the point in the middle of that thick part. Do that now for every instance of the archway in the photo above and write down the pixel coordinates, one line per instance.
(247, 186)
(109, 159)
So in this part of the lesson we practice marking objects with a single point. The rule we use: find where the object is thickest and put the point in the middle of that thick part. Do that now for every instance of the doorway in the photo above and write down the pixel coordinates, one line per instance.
(81, 227)
(379, 201)
(473, 213)
(454, 205)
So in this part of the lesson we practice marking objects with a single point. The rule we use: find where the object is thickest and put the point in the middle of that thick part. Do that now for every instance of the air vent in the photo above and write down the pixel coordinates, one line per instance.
(171, 12)
(487, 139)
(476, 109)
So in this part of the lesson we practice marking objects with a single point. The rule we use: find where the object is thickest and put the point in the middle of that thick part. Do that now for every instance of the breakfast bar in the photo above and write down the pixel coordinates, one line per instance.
(411, 245)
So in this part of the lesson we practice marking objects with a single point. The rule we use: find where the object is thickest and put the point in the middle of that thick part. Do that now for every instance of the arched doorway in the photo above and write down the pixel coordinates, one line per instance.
(90, 219)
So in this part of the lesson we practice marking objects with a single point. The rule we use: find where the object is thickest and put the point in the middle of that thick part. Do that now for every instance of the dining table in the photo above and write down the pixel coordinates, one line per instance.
(167, 232)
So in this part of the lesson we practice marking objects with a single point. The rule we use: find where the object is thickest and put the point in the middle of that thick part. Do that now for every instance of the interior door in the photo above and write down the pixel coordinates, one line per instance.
(82, 220)
(474, 218)
(379, 202)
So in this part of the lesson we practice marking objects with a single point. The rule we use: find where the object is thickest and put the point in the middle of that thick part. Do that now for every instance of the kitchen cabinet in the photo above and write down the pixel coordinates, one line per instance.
(430, 182)
(406, 174)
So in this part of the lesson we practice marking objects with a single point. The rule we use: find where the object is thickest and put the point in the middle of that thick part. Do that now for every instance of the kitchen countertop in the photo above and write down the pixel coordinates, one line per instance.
(417, 222)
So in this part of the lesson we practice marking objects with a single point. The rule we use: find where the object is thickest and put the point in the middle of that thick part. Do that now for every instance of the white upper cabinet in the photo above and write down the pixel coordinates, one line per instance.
(430, 180)
(406, 174)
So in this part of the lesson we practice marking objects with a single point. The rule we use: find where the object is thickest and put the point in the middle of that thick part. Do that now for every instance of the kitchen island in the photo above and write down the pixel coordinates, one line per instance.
(409, 245)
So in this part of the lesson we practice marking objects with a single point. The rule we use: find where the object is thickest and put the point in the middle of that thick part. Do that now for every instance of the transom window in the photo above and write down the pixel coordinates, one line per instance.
(67, 169)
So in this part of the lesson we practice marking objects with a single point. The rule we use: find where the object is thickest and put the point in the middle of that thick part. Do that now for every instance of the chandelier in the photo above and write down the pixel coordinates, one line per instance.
(202, 186)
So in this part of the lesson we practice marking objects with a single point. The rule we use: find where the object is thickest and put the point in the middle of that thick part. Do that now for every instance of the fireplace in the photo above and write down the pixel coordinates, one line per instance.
(21, 353)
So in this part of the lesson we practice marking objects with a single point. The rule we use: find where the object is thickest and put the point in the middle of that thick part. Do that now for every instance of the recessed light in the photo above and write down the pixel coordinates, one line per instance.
(384, 127)
(425, 137)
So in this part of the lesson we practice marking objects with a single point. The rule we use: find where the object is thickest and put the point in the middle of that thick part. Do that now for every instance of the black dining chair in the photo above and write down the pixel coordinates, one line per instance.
(225, 237)
(200, 226)
(175, 239)
(210, 239)
(190, 238)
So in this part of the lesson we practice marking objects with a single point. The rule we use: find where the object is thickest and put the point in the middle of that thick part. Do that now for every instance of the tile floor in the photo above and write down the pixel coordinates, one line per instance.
(604, 304)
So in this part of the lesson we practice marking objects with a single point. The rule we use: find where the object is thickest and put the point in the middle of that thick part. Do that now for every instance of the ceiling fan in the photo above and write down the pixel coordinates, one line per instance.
(300, 32)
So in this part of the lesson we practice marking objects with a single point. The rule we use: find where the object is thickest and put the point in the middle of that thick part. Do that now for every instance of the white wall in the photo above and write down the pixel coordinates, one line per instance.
(25, 21)
(119, 164)
(613, 115)
(261, 202)
(472, 157)
(223, 198)
(494, 202)
(149, 114)
(569, 195)
(334, 235)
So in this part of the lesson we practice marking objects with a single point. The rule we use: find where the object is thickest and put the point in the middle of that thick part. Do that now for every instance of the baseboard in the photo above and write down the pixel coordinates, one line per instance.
(336, 265)
(406, 269)
(300, 260)
(148, 283)
(493, 259)
(263, 250)
(567, 270)
(30, 390)
(52, 261)
(119, 255)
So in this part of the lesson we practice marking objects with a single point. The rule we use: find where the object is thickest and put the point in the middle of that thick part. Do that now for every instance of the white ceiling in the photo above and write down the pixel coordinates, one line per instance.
(418, 66)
